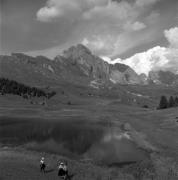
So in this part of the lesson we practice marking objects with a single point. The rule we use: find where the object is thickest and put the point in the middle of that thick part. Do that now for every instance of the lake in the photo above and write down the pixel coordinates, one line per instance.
(75, 137)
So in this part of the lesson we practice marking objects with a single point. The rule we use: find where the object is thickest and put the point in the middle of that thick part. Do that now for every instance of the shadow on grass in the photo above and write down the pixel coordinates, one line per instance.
(122, 164)
(71, 176)
(49, 170)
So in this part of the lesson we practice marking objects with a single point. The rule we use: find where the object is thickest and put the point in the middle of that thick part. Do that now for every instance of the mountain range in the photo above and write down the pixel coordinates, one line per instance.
(77, 65)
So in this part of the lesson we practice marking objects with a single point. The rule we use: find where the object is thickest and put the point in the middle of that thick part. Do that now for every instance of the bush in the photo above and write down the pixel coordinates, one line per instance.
(69, 103)
(145, 106)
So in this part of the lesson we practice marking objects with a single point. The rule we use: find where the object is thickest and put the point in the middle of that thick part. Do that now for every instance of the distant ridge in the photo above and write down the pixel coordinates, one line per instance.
(76, 65)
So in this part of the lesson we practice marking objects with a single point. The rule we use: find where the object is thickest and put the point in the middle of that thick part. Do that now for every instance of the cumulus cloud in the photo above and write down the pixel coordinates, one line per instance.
(146, 61)
(157, 58)
(172, 36)
(102, 44)
(90, 8)
(55, 9)
(73, 9)
(119, 11)
(136, 26)
(107, 27)
(46, 13)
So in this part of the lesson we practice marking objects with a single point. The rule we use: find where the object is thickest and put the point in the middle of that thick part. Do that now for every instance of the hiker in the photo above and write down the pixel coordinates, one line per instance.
(63, 170)
(42, 165)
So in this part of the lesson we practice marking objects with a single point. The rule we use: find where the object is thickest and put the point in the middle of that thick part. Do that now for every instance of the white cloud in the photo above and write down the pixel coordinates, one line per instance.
(107, 59)
(157, 58)
(97, 43)
(101, 43)
(90, 8)
(45, 14)
(58, 8)
(146, 61)
(136, 26)
(67, 8)
(119, 11)
(172, 36)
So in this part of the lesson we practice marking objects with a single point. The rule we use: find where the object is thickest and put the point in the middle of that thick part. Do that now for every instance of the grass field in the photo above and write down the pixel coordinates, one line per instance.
(88, 125)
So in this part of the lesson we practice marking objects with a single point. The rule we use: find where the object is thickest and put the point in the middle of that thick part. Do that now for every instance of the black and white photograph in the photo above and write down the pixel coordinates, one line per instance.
(88, 89)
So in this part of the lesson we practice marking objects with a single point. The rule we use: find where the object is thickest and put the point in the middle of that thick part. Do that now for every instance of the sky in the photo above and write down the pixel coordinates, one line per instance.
(127, 31)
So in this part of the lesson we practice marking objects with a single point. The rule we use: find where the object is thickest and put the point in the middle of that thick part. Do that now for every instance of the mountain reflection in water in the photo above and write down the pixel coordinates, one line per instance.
(74, 138)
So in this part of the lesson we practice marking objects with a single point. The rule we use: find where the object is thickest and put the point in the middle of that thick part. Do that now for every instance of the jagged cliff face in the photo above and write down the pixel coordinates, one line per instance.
(77, 65)
(88, 64)
(95, 68)
(163, 77)
(123, 74)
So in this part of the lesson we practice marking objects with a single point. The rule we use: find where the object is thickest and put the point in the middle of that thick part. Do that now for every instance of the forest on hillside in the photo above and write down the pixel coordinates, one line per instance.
(13, 87)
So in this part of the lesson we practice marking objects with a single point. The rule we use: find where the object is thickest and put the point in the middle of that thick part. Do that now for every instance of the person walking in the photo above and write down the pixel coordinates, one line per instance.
(42, 165)
(63, 170)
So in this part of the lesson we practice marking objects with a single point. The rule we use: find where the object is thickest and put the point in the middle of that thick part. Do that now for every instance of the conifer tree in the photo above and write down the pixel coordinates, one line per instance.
(176, 101)
(163, 103)
(171, 102)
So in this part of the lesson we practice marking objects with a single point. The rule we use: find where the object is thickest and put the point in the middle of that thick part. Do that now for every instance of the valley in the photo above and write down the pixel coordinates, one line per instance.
(100, 115)
(99, 129)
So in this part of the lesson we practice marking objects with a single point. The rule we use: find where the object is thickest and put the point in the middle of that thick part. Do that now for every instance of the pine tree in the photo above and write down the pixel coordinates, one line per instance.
(171, 102)
(176, 101)
(163, 103)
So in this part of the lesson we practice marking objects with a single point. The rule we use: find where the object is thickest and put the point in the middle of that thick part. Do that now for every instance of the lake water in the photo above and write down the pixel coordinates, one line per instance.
(74, 138)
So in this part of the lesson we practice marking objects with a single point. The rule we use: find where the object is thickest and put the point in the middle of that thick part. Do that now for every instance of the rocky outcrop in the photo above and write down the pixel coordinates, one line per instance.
(96, 68)
(89, 64)
(163, 77)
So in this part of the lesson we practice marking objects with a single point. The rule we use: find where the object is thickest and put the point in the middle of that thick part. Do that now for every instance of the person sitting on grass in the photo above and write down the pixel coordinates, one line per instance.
(63, 170)
(42, 165)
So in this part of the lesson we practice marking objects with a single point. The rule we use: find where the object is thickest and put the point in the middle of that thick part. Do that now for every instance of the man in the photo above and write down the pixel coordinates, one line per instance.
(42, 165)
(62, 170)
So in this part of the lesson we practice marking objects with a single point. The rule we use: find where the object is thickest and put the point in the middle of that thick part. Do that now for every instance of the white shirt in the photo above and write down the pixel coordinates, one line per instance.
(42, 161)
(64, 167)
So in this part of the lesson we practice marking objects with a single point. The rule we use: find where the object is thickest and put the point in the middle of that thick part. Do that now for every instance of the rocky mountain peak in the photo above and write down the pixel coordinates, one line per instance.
(21, 56)
(76, 52)
(76, 64)
(120, 67)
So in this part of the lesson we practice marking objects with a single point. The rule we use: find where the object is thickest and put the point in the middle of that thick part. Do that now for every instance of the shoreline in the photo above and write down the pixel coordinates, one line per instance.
(19, 164)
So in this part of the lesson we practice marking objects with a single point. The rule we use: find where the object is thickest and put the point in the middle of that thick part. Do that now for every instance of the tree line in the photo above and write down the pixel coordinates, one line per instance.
(12, 87)
(168, 102)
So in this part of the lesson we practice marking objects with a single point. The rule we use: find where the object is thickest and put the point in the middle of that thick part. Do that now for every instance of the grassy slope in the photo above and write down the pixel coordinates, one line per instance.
(19, 164)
